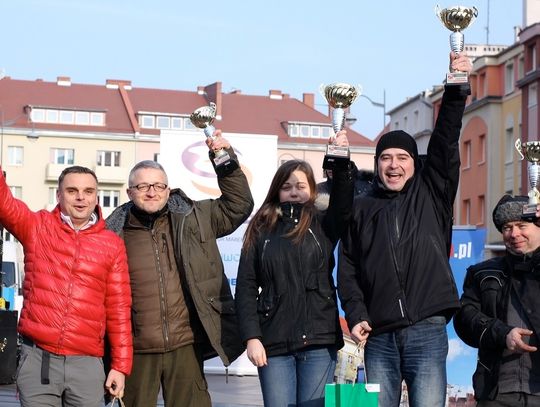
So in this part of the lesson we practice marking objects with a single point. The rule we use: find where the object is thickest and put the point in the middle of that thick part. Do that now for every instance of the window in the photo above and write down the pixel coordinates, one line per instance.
(37, 115)
(481, 149)
(63, 156)
(531, 53)
(148, 122)
(466, 154)
(176, 123)
(15, 155)
(52, 116)
(509, 78)
(521, 67)
(466, 212)
(304, 131)
(109, 198)
(163, 122)
(97, 119)
(509, 145)
(108, 158)
(16, 191)
(188, 125)
(325, 133)
(82, 118)
(52, 195)
(316, 132)
(481, 209)
(405, 123)
(533, 98)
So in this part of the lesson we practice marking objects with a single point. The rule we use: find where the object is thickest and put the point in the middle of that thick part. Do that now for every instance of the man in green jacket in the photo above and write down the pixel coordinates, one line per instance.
(183, 310)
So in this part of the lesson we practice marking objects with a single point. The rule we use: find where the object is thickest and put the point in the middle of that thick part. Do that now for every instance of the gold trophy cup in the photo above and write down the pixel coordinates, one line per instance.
(456, 19)
(339, 96)
(531, 151)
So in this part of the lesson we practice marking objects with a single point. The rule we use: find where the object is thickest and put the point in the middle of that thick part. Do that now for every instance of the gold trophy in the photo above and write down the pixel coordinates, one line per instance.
(531, 151)
(456, 19)
(203, 117)
(339, 96)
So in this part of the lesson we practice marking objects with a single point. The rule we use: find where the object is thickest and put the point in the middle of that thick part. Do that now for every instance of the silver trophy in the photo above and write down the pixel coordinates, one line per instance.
(531, 151)
(339, 96)
(456, 19)
(203, 117)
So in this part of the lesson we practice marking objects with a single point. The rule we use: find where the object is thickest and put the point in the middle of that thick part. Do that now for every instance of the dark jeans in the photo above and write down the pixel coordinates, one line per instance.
(416, 354)
(298, 379)
(512, 400)
(179, 373)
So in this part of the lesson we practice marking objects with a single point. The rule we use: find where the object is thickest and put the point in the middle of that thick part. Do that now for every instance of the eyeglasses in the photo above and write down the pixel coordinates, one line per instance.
(145, 187)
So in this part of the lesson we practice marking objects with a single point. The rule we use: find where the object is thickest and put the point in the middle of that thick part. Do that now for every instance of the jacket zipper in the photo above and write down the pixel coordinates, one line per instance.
(161, 291)
(397, 269)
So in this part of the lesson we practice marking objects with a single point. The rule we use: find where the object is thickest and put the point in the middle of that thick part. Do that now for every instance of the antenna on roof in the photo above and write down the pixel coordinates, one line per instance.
(487, 25)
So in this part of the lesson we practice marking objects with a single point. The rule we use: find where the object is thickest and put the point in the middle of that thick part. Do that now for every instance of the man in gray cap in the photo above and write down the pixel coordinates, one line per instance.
(394, 280)
(499, 312)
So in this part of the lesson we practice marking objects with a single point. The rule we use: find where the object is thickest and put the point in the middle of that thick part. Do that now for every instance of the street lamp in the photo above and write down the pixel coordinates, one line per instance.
(377, 104)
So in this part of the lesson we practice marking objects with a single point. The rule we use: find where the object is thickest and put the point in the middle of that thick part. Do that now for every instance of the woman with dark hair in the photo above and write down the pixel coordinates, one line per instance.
(285, 292)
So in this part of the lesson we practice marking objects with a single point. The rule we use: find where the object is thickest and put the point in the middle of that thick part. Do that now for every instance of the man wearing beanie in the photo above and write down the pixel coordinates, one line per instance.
(394, 279)
(499, 313)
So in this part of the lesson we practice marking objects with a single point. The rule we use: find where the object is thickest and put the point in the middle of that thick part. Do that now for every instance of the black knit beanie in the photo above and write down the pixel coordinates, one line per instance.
(397, 139)
(508, 209)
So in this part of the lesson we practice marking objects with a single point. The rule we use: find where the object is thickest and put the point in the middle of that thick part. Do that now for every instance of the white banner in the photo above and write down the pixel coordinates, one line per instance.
(185, 159)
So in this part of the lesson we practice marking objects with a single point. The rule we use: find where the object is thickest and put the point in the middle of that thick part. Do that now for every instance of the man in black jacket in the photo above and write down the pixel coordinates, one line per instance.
(394, 280)
(499, 313)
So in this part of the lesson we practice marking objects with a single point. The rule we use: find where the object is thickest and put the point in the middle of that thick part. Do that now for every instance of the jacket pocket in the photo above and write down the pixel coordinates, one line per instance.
(266, 307)
(223, 305)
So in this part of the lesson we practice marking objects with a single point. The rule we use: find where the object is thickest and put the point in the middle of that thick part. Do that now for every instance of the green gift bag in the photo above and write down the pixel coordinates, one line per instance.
(351, 395)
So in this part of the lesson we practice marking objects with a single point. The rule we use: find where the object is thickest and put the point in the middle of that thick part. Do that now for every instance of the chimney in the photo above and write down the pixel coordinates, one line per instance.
(275, 94)
(213, 94)
(200, 90)
(63, 81)
(309, 99)
(117, 83)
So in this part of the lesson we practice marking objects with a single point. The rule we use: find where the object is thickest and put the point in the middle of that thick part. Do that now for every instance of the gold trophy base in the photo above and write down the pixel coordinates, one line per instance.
(336, 157)
(456, 78)
(529, 212)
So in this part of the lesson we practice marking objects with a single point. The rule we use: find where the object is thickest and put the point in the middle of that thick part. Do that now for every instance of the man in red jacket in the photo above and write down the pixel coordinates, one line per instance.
(76, 287)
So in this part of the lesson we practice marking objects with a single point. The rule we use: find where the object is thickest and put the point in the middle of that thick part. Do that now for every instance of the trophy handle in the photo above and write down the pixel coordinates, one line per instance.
(518, 148)
(438, 12)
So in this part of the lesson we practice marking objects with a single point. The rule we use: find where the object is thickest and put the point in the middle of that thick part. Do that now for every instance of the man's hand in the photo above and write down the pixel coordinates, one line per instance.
(460, 62)
(115, 383)
(360, 332)
(217, 142)
(515, 343)
(340, 139)
(256, 353)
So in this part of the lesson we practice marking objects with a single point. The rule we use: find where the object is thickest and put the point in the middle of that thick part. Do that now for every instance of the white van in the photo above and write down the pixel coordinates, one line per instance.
(12, 274)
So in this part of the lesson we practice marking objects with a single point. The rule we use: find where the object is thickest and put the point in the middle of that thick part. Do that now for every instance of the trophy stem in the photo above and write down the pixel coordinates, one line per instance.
(209, 131)
(338, 119)
(534, 170)
(457, 40)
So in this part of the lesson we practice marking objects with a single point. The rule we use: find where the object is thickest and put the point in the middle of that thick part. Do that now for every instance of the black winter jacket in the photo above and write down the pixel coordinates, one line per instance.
(481, 321)
(393, 266)
(297, 305)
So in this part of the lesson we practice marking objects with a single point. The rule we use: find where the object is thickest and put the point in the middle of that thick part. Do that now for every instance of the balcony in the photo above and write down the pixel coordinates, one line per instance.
(111, 175)
(53, 171)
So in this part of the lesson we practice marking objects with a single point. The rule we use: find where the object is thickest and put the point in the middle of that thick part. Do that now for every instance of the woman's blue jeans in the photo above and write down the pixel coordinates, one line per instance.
(416, 354)
(298, 379)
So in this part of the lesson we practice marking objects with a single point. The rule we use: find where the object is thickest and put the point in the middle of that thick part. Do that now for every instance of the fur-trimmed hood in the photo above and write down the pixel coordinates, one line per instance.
(178, 203)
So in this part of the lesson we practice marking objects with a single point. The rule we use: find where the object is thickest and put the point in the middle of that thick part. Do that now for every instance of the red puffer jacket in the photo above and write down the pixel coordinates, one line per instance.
(76, 284)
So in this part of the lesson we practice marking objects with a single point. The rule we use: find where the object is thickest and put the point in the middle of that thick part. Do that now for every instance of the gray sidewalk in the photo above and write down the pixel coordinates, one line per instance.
(240, 391)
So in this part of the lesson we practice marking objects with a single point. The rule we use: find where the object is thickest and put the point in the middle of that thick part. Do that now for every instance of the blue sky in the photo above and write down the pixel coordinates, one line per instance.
(392, 46)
